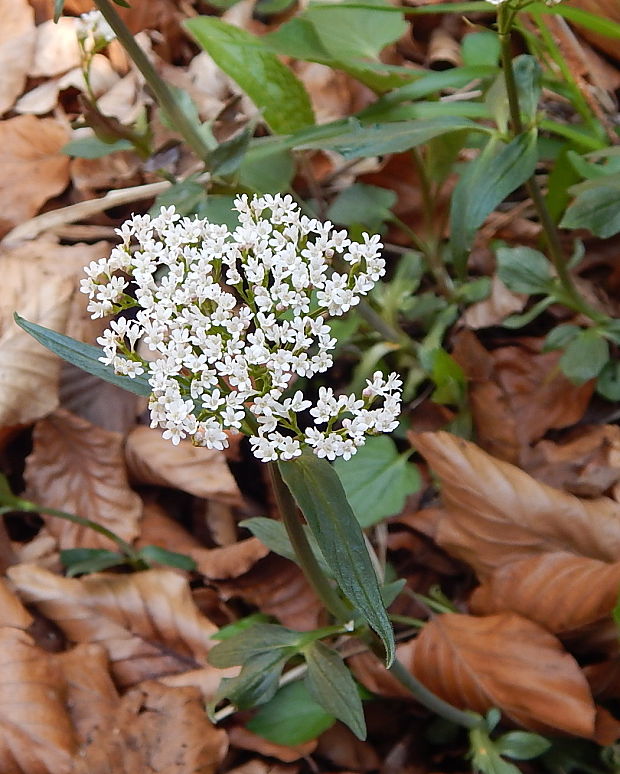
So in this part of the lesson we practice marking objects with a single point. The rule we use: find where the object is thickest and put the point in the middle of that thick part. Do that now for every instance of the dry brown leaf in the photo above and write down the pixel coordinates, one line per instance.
(147, 621)
(12, 612)
(201, 472)
(494, 309)
(36, 736)
(516, 394)
(560, 591)
(77, 467)
(258, 766)
(241, 737)
(56, 48)
(231, 561)
(17, 34)
(33, 169)
(29, 372)
(508, 662)
(496, 513)
(344, 751)
(277, 587)
(604, 678)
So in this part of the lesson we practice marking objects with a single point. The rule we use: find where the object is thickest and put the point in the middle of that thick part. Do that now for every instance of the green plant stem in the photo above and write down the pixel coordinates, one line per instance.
(160, 89)
(128, 550)
(556, 254)
(305, 556)
(432, 702)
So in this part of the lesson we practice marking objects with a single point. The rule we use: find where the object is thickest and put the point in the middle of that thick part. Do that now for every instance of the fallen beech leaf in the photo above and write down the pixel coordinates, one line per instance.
(604, 678)
(257, 766)
(56, 48)
(147, 621)
(240, 737)
(560, 591)
(12, 612)
(496, 513)
(277, 587)
(28, 371)
(516, 394)
(33, 169)
(36, 736)
(494, 309)
(222, 563)
(344, 751)
(17, 35)
(77, 467)
(508, 662)
(201, 472)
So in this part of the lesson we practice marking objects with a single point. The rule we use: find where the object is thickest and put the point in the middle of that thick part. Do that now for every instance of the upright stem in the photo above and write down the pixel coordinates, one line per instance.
(550, 231)
(305, 556)
(160, 89)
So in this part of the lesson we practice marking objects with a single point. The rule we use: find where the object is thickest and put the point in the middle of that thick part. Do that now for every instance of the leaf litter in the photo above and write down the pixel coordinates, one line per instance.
(531, 509)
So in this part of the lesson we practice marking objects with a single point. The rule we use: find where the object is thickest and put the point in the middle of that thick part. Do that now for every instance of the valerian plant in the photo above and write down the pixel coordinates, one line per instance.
(225, 322)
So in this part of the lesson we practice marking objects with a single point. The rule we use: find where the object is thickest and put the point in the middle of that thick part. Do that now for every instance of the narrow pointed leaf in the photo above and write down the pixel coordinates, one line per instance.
(84, 356)
(317, 489)
(331, 685)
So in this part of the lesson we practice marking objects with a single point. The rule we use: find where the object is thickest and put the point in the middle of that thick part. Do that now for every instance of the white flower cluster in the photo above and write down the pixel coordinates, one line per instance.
(93, 31)
(233, 318)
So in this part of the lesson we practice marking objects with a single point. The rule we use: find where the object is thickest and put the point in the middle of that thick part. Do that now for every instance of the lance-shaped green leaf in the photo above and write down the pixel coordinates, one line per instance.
(331, 685)
(84, 356)
(257, 682)
(317, 489)
(259, 638)
(487, 181)
(269, 83)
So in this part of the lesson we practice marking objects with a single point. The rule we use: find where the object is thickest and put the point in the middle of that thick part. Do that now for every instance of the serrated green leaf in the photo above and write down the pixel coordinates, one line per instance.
(227, 157)
(291, 718)
(258, 680)
(377, 480)
(259, 638)
(521, 745)
(273, 534)
(524, 270)
(597, 209)
(317, 489)
(273, 88)
(84, 356)
(394, 137)
(486, 182)
(608, 382)
(93, 147)
(330, 684)
(79, 561)
(169, 558)
(585, 356)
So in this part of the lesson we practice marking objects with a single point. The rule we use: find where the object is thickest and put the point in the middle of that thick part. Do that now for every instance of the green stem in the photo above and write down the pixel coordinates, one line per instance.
(305, 556)
(160, 89)
(131, 554)
(433, 702)
(556, 254)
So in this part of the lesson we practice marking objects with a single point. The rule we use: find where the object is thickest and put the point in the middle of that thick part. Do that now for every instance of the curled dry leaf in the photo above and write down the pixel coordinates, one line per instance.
(560, 591)
(12, 612)
(222, 563)
(77, 467)
(277, 587)
(147, 621)
(56, 48)
(496, 513)
(246, 740)
(17, 35)
(36, 736)
(516, 394)
(28, 371)
(494, 309)
(201, 472)
(508, 662)
(33, 168)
